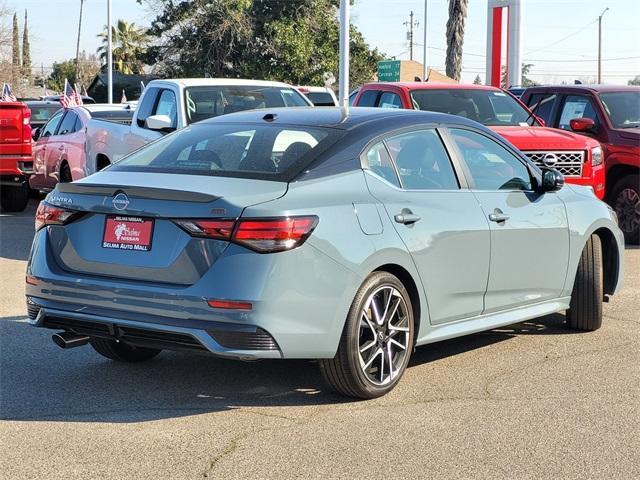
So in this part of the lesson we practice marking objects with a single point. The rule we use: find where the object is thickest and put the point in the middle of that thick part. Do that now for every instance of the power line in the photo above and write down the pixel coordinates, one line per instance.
(563, 38)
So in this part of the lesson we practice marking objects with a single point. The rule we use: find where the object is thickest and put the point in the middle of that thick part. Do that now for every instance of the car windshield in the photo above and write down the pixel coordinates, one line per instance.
(271, 152)
(211, 101)
(489, 107)
(623, 108)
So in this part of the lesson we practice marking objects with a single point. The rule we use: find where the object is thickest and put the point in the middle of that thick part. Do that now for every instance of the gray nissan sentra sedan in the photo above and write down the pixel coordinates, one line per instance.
(348, 237)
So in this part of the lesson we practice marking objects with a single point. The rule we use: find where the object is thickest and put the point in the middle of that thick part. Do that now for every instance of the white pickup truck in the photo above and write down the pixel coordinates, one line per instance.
(168, 105)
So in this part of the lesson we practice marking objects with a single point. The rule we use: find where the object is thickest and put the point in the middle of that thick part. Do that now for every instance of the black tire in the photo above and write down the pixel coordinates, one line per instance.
(625, 200)
(14, 198)
(585, 311)
(65, 173)
(344, 372)
(122, 352)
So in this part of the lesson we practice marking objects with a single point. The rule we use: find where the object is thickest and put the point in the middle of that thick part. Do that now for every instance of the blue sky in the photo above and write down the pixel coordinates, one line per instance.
(559, 36)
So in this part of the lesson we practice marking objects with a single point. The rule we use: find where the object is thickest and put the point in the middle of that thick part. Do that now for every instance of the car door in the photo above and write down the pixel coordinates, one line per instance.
(529, 230)
(46, 150)
(58, 148)
(441, 224)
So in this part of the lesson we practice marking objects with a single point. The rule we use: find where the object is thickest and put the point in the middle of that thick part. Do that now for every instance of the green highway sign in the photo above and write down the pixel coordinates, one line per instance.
(389, 71)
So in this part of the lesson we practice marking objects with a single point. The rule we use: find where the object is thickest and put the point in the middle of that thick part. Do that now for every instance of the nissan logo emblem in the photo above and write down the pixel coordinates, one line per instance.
(120, 201)
(550, 160)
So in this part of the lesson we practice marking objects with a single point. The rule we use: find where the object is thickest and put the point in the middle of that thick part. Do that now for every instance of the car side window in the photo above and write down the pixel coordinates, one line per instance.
(390, 100)
(576, 106)
(542, 105)
(491, 166)
(377, 160)
(145, 108)
(167, 106)
(422, 161)
(68, 123)
(51, 126)
(368, 98)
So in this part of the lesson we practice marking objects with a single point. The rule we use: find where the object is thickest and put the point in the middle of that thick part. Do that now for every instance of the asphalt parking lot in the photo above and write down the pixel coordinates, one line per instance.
(529, 401)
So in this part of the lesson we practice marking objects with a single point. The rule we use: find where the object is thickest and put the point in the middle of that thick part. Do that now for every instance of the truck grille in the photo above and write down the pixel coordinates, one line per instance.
(569, 163)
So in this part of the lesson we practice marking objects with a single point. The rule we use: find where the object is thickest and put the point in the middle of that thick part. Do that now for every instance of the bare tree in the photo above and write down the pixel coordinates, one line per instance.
(455, 37)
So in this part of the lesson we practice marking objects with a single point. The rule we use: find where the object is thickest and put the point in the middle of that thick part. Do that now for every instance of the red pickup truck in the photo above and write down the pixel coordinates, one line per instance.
(611, 115)
(16, 160)
(577, 157)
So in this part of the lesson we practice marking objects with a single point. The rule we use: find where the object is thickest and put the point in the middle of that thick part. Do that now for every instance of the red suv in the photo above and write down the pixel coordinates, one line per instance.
(16, 161)
(577, 157)
(611, 115)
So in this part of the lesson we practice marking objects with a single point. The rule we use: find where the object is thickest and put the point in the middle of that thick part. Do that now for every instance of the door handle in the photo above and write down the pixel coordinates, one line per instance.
(406, 217)
(498, 217)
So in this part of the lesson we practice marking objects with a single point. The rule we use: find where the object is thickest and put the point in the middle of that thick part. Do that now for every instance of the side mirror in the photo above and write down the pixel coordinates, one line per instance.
(35, 134)
(552, 180)
(162, 123)
(582, 124)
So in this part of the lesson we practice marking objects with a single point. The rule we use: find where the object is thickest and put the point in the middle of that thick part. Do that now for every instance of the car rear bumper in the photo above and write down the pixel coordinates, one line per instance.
(300, 300)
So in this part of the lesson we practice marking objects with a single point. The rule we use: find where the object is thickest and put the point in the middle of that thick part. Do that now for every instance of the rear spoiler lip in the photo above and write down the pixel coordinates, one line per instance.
(153, 193)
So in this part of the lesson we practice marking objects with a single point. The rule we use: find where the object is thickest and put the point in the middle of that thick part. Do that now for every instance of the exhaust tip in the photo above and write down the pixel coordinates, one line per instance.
(68, 340)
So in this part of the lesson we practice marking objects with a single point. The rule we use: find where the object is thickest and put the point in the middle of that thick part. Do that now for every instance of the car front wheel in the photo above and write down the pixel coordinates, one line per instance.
(585, 311)
(376, 342)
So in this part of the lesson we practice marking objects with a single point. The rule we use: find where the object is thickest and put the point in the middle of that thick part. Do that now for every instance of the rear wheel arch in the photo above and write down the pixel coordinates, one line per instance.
(65, 172)
(410, 285)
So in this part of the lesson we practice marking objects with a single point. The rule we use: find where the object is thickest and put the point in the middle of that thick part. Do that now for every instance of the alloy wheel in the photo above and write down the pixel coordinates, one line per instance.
(628, 209)
(383, 339)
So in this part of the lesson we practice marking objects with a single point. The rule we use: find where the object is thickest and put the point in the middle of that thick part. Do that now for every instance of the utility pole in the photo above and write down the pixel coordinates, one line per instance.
(109, 55)
(410, 24)
(343, 90)
(78, 44)
(425, 72)
(600, 44)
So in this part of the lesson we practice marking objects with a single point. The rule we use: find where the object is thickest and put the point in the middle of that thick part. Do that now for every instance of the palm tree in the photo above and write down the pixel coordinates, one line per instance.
(129, 43)
(455, 37)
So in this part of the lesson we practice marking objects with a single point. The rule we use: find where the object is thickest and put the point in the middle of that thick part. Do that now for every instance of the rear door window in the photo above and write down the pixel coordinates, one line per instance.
(68, 123)
(378, 160)
(422, 161)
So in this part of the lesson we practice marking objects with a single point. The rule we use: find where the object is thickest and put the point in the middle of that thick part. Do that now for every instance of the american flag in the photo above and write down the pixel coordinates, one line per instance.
(67, 99)
(7, 95)
(76, 95)
(124, 97)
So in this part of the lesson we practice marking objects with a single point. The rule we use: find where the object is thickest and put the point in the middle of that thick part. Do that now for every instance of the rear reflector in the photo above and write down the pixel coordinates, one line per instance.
(51, 215)
(229, 305)
(263, 235)
(32, 280)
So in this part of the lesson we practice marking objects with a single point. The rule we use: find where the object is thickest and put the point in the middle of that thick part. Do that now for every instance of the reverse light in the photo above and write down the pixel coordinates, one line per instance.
(596, 156)
(263, 235)
(48, 214)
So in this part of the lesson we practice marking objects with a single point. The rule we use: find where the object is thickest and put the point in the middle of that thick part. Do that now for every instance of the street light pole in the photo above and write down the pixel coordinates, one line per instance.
(600, 44)
(424, 43)
(343, 91)
(109, 55)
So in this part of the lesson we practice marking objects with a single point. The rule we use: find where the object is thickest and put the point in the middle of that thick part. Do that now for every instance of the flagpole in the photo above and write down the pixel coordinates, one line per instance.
(109, 55)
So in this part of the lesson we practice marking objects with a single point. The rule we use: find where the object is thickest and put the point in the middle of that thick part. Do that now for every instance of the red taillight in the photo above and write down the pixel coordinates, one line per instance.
(262, 235)
(51, 215)
(229, 305)
(26, 125)
(274, 235)
(219, 229)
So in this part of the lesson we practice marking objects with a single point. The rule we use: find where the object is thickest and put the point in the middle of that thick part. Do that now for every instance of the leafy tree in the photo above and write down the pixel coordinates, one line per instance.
(289, 41)
(477, 80)
(455, 37)
(61, 71)
(634, 81)
(26, 51)
(526, 81)
(129, 44)
(16, 48)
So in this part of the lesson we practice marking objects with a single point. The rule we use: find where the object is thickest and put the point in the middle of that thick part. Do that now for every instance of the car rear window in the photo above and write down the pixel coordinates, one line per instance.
(211, 101)
(272, 152)
(321, 99)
